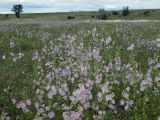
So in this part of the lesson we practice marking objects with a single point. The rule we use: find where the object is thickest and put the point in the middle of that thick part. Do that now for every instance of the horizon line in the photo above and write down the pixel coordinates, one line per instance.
(80, 11)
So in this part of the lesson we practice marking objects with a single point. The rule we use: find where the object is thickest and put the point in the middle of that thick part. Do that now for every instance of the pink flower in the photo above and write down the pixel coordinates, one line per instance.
(51, 114)
(109, 97)
(98, 79)
(35, 55)
(96, 55)
(83, 70)
(65, 72)
(50, 76)
(28, 102)
(73, 115)
(52, 92)
(21, 105)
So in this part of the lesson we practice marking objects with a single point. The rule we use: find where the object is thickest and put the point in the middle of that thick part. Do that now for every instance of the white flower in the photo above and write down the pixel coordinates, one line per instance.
(52, 92)
(126, 107)
(108, 40)
(109, 97)
(122, 102)
(51, 114)
(158, 81)
(125, 95)
(158, 65)
(12, 44)
(28, 102)
(131, 47)
(13, 101)
(3, 57)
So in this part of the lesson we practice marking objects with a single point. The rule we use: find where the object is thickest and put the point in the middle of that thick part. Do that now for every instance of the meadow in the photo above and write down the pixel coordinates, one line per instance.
(82, 71)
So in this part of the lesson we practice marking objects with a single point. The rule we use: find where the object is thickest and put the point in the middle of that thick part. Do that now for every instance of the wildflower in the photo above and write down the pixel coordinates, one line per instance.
(13, 101)
(87, 105)
(28, 102)
(158, 81)
(21, 105)
(3, 57)
(105, 88)
(61, 92)
(12, 44)
(65, 72)
(152, 61)
(96, 55)
(122, 102)
(83, 70)
(98, 79)
(51, 114)
(41, 110)
(25, 110)
(35, 55)
(125, 95)
(158, 66)
(109, 97)
(118, 63)
(73, 115)
(131, 47)
(100, 97)
(94, 33)
(52, 92)
(50, 76)
(108, 40)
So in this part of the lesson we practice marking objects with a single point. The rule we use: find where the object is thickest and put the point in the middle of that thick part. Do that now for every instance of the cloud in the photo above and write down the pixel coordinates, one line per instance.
(76, 5)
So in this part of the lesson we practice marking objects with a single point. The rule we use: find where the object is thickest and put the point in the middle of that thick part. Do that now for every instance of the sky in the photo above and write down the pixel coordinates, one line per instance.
(43, 6)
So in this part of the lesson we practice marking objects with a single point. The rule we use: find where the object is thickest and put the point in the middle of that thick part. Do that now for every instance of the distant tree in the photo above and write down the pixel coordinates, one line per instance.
(146, 13)
(70, 17)
(125, 11)
(92, 16)
(17, 9)
(102, 14)
(115, 12)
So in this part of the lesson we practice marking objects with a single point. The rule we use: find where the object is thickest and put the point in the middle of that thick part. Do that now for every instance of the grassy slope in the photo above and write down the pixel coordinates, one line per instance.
(135, 14)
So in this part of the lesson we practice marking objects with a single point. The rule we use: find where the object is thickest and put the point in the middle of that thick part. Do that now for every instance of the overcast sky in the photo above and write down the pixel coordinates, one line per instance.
(38, 6)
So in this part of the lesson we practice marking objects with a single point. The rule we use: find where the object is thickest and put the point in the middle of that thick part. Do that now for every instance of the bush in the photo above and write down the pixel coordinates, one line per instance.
(146, 13)
(92, 16)
(102, 14)
(115, 13)
(70, 17)
(6, 15)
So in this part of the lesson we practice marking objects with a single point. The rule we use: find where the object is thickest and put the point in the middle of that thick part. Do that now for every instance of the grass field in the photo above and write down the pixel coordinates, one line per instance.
(78, 70)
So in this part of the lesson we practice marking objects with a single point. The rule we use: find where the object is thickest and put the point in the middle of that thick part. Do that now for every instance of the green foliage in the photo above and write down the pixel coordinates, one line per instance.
(17, 9)
(125, 11)
(102, 14)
